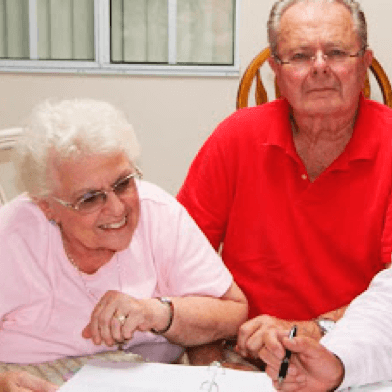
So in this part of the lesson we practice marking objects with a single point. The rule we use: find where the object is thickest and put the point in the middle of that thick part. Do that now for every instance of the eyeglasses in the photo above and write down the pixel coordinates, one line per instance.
(95, 200)
(304, 59)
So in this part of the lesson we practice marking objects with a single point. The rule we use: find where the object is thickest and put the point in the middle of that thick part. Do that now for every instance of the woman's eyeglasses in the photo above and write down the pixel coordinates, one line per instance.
(95, 200)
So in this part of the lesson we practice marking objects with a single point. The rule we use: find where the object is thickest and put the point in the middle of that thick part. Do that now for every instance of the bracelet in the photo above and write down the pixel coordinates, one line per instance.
(169, 303)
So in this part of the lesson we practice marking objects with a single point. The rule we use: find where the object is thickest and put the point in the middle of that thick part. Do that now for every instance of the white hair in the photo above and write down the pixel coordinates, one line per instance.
(66, 130)
(281, 6)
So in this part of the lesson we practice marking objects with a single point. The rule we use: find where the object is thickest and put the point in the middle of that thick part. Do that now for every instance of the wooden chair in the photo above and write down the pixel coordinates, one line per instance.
(253, 73)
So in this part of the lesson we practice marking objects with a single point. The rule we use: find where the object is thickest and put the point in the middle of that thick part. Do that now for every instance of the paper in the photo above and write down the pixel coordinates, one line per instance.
(156, 377)
(385, 386)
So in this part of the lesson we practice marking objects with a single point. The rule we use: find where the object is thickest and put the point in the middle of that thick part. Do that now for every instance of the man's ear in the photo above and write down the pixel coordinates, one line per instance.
(273, 64)
(368, 57)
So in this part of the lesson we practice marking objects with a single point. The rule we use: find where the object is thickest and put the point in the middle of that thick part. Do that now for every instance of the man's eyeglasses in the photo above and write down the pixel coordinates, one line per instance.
(305, 59)
(95, 200)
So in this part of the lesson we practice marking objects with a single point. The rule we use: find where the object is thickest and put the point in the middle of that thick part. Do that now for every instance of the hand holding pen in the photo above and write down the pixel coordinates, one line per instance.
(284, 366)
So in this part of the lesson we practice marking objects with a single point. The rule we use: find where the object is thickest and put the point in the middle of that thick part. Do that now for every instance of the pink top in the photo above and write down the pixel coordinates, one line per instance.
(44, 304)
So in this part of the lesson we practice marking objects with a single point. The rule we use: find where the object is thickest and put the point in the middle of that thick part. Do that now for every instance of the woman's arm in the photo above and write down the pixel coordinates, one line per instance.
(199, 320)
(196, 319)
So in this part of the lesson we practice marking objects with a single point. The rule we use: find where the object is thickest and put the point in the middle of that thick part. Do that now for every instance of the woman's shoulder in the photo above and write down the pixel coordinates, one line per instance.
(158, 207)
(21, 215)
(151, 193)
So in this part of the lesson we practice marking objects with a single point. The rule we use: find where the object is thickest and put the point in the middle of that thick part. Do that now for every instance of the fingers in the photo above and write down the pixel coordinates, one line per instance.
(245, 332)
(23, 381)
(292, 382)
(115, 318)
(289, 386)
(36, 384)
(101, 320)
(303, 345)
(260, 334)
(312, 367)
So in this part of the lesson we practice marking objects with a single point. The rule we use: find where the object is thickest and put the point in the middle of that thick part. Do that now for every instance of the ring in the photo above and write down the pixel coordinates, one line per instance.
(121, 318)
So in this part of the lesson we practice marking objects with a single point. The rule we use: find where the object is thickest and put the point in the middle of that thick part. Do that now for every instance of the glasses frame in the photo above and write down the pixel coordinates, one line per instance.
(76, 205)
(360, 53)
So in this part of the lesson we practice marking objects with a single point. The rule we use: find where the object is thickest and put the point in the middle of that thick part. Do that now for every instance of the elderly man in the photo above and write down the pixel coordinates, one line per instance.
(297, 191)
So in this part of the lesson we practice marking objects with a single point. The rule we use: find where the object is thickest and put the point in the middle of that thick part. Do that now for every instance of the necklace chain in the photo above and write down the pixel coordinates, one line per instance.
(80, 272)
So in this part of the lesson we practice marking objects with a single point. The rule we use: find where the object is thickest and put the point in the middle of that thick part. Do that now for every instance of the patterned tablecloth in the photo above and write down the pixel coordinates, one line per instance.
(61, 370)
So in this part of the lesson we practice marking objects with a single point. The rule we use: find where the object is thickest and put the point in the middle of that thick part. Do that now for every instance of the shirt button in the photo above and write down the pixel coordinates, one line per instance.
(304, 176)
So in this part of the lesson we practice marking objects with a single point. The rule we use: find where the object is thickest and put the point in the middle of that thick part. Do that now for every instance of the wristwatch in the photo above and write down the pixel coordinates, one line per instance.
(325, 325)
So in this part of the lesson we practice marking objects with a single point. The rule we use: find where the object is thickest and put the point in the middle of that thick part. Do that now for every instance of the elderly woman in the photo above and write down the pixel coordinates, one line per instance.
(297, 191)
(91, 256)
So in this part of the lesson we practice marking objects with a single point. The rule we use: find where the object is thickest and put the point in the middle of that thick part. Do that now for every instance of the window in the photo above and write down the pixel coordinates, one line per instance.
(177, 37)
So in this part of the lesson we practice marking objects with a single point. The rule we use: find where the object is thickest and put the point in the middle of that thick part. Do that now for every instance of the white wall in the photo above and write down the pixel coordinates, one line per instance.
(172, 116)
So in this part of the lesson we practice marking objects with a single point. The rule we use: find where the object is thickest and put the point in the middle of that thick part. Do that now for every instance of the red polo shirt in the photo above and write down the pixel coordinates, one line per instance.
(297, 249)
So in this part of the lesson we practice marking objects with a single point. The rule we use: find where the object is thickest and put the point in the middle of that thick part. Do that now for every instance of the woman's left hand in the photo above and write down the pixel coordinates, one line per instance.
(117, 316)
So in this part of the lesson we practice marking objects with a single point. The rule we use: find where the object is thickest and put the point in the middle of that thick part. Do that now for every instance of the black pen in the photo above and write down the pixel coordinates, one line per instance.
(284, 366)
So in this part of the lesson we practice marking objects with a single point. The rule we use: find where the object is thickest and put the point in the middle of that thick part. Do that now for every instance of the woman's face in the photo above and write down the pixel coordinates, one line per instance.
(110, 227)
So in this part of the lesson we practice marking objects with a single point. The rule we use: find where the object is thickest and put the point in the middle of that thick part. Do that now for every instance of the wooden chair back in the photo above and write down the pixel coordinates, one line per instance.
(252, 74)
(8, 138)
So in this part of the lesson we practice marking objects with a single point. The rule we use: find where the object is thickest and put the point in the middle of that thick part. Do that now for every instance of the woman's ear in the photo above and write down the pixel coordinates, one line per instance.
(45, 207)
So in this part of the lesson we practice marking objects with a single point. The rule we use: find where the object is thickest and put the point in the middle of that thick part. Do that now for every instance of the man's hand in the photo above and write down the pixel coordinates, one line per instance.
(24, 382)
(263, 330)
(312, 367)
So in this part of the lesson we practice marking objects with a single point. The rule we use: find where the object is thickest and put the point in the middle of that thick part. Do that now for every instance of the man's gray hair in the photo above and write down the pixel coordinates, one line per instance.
(69, 130)
(281, 6)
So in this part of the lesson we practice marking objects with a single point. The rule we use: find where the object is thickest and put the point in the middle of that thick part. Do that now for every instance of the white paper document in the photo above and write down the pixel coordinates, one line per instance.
(156, 377)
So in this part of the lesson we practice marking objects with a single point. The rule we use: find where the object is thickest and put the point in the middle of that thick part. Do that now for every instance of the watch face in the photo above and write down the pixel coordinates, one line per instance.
(326, 325)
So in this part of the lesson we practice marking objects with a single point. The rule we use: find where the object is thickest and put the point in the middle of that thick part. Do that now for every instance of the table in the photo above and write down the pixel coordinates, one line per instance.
(60, 370)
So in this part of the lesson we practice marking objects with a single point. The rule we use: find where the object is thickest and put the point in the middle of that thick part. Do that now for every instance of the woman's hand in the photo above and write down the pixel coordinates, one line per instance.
(117, 316)
(24, 382)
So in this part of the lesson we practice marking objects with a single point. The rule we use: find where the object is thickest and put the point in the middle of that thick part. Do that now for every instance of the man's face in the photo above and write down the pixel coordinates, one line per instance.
(321, 87)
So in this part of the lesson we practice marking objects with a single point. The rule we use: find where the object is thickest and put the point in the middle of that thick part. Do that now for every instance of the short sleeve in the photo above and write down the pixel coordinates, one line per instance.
(186, 262)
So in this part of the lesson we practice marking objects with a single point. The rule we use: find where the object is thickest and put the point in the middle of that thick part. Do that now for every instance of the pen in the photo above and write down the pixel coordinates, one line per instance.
(284, 366)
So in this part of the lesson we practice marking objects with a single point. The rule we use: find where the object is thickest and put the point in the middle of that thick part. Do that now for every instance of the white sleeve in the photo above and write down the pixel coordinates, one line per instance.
(362, 339)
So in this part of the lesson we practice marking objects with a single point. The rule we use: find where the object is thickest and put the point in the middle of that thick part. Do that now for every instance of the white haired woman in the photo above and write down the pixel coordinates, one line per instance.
(92, 257)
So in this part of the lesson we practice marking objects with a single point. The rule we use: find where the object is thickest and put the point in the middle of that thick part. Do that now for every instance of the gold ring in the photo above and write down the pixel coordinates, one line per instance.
(121, 319)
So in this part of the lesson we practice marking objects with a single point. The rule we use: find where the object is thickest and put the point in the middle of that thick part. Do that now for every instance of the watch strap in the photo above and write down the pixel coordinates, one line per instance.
(325, 325)
(168, 302)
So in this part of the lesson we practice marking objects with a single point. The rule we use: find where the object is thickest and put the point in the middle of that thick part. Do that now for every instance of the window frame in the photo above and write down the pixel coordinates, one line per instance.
(102, 65)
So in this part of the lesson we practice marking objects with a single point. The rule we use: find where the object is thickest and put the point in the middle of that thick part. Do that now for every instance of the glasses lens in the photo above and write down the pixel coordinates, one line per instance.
(91, 201)
(123, 185)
